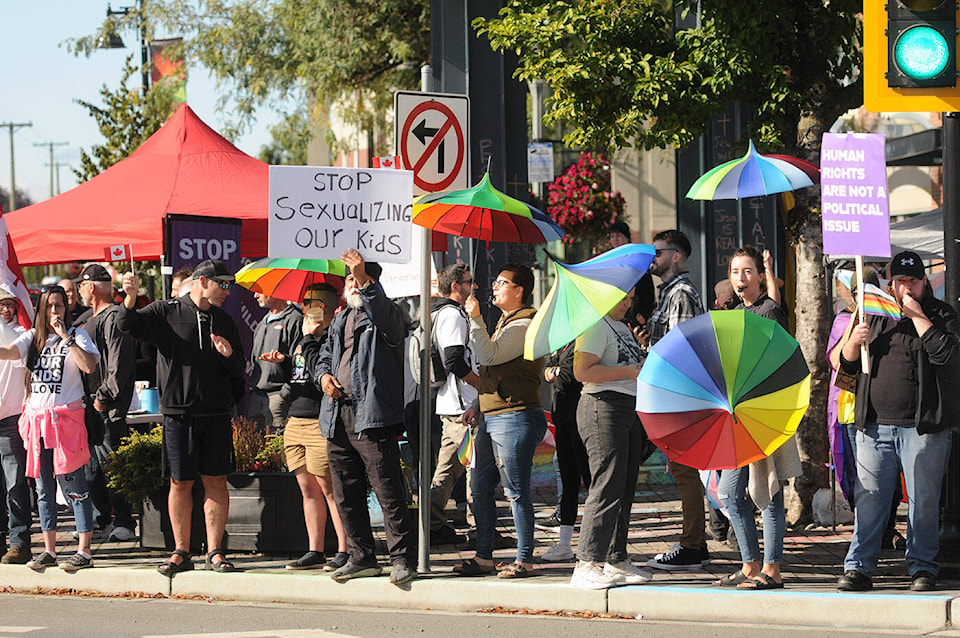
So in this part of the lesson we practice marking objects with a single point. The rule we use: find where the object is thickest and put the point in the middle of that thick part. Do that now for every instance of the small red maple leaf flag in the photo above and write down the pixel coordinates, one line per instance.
(395, 161)
(122, 252)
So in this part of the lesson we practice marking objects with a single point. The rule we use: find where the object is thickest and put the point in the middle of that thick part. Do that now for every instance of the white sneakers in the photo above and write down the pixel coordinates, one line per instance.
(590, 575)
(559, 553)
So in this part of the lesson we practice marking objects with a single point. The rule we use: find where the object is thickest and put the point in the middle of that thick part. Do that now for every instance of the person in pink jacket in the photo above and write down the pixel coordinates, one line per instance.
(52, 425)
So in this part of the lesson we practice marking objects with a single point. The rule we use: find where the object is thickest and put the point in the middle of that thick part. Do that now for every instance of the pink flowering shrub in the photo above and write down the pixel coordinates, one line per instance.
(582, 201)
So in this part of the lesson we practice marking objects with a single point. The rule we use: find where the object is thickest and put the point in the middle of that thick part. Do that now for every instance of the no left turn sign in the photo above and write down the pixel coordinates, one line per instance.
(432, 136)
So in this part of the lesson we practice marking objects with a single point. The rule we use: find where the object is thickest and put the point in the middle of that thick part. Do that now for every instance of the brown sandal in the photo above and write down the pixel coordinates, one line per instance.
(516, 570)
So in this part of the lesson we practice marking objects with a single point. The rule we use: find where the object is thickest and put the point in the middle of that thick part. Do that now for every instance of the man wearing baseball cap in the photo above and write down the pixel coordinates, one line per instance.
(109, 390)
(200, 367)
(905, 407)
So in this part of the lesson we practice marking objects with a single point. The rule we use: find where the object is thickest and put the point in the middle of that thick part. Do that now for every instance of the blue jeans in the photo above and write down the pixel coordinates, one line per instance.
(13, 460)
(732, 490)
(74, 487)
(882, 452)
(506, 443)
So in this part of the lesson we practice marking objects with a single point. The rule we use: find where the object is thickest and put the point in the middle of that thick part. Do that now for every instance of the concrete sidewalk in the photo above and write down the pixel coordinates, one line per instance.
(812, 563)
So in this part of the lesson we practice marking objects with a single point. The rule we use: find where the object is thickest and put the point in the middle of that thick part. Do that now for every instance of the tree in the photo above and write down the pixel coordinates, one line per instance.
(321, 56)
(21, 199)
(126, 120)
(620, 74)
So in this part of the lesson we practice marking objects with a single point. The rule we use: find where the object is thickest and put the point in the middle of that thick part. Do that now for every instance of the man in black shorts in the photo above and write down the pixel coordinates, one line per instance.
(200, 365)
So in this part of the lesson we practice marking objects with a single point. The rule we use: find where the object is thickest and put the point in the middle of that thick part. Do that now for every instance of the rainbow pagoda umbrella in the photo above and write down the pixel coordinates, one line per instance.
(582, 294)
(753, 175)
(722, 390)
(287, 279)
(483, 212)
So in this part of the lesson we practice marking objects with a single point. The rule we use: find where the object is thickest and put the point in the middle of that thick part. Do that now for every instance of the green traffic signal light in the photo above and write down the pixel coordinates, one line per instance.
(921, 43)
(921, 53)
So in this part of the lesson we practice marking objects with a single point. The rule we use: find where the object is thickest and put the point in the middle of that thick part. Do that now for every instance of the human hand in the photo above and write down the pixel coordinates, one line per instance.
(631, 371)
(130, 287)
(472, 306)
(911, 307)
(354, 261)
(860, 334)
(58, 327)
(330, 386)
(274, 356)
(550, 374)
(469, 416)
(222, 345)
(642, 335)
(768, 261)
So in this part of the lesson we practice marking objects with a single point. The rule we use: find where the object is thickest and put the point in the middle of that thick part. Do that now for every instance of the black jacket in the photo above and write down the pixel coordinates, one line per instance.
(938, 369)
(193, 378)
(112, 382)
(281, 334)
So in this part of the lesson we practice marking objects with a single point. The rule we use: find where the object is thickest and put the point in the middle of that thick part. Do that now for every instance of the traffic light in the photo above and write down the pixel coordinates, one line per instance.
(910, 55)
(921, 43)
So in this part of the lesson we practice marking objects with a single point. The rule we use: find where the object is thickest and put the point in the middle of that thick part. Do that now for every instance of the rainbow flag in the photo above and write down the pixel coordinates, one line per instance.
(466, 452)
(877, 302)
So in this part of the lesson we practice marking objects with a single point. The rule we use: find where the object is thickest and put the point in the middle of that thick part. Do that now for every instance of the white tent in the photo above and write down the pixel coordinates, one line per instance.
(923, 234)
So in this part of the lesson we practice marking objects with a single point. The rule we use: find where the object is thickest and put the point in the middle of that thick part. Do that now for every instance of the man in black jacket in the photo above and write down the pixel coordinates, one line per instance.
(905, 407)
(278, 333)
(109, 391)
(200, 374)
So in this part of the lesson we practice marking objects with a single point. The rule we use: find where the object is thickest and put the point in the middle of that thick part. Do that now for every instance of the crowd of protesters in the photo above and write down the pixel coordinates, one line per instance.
(328, 373)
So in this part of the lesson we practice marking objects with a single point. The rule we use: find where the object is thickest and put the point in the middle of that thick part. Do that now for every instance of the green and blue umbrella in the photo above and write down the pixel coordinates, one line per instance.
(753, 175)
(723, 390)
(582, 294)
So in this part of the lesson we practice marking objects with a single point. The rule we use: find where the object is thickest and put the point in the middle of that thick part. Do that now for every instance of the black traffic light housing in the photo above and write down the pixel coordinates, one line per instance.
(921, 43)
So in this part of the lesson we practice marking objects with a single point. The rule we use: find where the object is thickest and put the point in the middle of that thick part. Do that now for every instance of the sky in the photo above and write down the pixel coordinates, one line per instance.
(40, 80)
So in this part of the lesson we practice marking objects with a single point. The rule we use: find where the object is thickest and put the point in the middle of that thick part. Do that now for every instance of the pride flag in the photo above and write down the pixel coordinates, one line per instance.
(877, 302)
(466, 452)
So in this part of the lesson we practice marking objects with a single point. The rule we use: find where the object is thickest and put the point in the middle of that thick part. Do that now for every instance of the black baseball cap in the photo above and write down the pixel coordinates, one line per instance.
(213, 269)
(93, 272)
(619, 227)
(907, 264)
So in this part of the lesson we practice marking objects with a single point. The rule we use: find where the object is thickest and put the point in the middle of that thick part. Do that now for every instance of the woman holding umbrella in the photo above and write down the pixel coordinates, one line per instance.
(607, 361)
(761, 479)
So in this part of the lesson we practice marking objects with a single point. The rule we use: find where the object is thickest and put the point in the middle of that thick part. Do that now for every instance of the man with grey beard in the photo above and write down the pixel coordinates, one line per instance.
(361, 375)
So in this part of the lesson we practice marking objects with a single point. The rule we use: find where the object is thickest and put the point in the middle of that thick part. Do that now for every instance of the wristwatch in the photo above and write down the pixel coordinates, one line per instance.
(71, 341)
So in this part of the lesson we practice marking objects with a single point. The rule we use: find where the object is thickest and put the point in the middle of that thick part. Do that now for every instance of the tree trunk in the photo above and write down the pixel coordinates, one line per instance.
(813, 319)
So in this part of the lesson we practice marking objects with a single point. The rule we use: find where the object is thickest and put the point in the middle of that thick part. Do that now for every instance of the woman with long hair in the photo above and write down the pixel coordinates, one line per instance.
(52, 424)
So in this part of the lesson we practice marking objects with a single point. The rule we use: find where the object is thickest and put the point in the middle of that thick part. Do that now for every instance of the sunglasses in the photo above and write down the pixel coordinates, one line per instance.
(224, 285)
(499, 283)
(660, 251)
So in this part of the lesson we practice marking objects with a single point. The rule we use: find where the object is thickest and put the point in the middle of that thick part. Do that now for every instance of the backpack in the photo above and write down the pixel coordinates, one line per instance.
(415, 346)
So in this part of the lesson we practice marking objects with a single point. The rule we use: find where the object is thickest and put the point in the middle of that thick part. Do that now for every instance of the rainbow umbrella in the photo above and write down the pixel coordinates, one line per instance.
(483, 212)
(287, 279)
(809, 168)
(722, 390)
(753, 175)
(582, 294)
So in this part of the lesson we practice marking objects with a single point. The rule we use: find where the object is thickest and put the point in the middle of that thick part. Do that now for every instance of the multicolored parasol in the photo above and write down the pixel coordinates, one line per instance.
(582, 294)
(752, 175)
(723, 389)
(288, 278)
(483, 212)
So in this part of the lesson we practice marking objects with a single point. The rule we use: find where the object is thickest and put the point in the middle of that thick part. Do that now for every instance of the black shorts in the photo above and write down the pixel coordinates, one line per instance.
(197, 445)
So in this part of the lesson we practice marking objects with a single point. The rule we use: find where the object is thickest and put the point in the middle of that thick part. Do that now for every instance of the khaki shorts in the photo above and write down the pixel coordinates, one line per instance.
(303, 444)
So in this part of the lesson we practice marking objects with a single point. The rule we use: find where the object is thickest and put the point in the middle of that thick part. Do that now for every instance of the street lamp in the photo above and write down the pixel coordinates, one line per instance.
(110, 39)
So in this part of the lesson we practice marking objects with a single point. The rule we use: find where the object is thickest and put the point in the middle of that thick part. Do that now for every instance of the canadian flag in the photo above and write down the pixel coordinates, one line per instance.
(11, 277)
(395, 161)
(122, 252)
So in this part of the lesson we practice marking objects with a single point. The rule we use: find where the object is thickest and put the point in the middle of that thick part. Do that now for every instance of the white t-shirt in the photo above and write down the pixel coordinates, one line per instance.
(452, 329)
(56, 378)
(613, 342)
(12, 386)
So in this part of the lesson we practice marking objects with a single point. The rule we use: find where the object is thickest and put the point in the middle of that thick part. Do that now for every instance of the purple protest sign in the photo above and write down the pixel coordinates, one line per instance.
(853, 188)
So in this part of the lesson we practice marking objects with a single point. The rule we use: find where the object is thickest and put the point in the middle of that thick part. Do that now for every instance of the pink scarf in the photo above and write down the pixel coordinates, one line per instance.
(62, 429)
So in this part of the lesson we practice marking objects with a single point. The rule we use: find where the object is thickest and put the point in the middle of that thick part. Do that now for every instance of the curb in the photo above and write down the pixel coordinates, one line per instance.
(921, 613)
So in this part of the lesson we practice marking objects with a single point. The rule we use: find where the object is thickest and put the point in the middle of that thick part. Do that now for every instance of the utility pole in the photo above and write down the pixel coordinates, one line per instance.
(57, 165)
(51, 165)
(11, 127)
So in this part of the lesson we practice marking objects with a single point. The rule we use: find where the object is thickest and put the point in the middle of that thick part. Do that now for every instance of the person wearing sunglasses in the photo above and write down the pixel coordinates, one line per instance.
(513, 422)
(200, 365)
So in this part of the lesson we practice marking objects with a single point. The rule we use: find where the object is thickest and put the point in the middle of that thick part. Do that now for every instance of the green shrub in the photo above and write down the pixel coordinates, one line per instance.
(134, 468)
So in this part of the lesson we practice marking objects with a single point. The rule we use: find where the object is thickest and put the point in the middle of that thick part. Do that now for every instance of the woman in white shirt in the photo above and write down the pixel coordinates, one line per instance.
(52, 424)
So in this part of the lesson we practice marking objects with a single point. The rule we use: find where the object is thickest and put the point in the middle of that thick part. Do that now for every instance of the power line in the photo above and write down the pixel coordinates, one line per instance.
(11, 127)
(51, 145)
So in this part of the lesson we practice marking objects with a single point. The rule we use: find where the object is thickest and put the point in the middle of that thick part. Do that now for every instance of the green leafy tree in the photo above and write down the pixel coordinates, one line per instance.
(621, 74)
(125, 120)
(327, 56)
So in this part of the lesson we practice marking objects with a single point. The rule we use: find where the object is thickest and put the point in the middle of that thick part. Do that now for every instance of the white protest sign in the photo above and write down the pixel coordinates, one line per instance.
(317, 212)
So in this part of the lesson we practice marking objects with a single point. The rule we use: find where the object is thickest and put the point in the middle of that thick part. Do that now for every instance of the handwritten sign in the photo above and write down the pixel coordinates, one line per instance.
(317, 212)
(853, 184)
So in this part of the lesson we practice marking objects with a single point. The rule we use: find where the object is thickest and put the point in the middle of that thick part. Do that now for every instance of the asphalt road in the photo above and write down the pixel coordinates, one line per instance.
(42, 616)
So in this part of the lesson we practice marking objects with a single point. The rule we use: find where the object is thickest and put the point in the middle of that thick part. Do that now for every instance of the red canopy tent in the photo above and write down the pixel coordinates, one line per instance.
(186, 167)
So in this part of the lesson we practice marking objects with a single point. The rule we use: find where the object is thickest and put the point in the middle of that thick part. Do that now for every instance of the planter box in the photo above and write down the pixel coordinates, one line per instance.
(266, 515)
